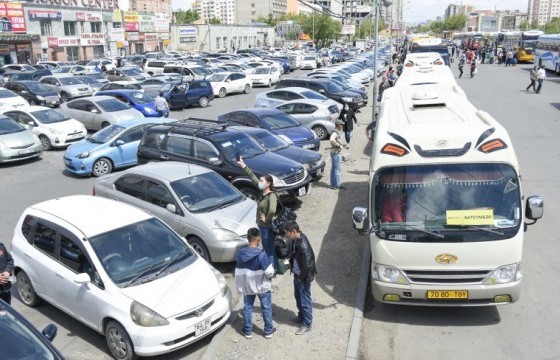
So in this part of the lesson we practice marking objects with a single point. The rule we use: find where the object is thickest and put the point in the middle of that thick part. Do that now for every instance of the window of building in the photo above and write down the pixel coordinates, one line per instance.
(46, 28)
(98, 51)
(96, 27)
(82, 27)
(70, 28)
(72, 53)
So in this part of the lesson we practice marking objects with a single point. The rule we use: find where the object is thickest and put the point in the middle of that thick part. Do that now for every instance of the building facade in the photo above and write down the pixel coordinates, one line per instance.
(542, 11)
(223, 10)
(248, 11)
(152, 6)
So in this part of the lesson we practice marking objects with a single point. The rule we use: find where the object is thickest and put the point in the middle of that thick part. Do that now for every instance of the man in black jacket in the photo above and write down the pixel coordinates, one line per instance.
(302, 265)
(6, 268)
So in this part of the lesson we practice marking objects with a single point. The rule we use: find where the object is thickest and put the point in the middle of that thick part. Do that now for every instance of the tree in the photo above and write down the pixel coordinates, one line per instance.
(553, 26)
(455, 22)
(214, 21)
(323, 26)
(186, 17)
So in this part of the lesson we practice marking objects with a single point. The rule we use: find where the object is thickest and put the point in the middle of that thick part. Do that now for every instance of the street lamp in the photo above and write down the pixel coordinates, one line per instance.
(375, 3)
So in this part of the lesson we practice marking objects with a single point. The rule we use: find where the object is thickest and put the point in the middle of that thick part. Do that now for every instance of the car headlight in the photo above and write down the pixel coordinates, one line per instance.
(316, 163)
(276, 181)
(388, 274)
(84, 155)
(347, 99)
(150, 111)
(504, 274)
(286, 139)
(221, 281)
(225, 235)
(144, 316)
(39, 97)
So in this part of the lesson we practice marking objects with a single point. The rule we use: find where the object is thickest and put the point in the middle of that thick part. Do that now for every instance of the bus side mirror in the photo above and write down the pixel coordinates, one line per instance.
(360, 219)
(534, 208)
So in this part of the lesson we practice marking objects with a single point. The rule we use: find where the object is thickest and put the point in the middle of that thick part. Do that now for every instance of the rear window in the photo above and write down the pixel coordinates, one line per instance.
(110, 105)
(6, 94)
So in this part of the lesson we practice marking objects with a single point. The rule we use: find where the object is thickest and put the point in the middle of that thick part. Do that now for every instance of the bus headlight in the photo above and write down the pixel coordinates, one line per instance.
(388, 274)
(504, 274)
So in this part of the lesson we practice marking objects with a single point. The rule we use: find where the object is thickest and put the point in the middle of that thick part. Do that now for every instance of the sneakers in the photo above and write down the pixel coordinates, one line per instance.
(247, 335)
(303, 329)
(296, 320)
(268, 336)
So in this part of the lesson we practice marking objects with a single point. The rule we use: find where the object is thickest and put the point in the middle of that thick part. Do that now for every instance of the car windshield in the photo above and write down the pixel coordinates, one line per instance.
(4, 94)
(279, 121)
(111, 105)
(70, 81)
(333, 87)
(443, 202)
(205, 192)
(49, 116)
(239, 143)
(9, 126)
(106, 134)
(62, 69)
(166, 87)
(19, 340)
(309, 94)
(87, 80)
(38, 87)
(94, 62)
(200, 71)
(217, 77)
(134, 254)
(96, 76)
(309, 58)
(270, 141)
(129, 72)
(142, 98)
(262, 70)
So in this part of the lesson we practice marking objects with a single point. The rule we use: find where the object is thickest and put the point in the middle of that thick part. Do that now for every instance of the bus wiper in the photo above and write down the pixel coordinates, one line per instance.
(483, 229)
(435, 234)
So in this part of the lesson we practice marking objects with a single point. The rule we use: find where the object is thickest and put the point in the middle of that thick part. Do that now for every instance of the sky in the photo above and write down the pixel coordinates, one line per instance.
(430, 9)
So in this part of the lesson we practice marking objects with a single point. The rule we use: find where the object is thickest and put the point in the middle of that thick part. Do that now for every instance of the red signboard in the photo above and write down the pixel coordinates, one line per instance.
(12, 17)
(52, 41)
(131, 26)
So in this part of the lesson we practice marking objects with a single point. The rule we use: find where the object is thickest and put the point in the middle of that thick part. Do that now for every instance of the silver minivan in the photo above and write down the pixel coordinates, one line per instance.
(196, 202)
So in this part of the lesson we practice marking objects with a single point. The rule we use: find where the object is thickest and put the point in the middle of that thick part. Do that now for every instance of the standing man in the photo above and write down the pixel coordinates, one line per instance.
(336, 143)
(253, 274)
(161, 105)
(533, 78)
(541, 75)
(6, 268)
(349, 117)
(461, 64)
(302, 265)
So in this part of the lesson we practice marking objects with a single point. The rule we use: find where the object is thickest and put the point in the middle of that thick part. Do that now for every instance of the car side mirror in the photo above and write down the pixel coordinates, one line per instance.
(50, 332)
(119, 143)
(23, 92)
(228, 80)
(215, 161)
(321, 91)
(360, 219)
(31, 123)
(534, 208)
(171, 208)
(82, 278)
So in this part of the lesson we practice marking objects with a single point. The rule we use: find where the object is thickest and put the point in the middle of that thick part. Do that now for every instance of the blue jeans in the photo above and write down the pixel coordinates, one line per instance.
(267, 237)
(266, 306)
(539, 86)
(348, 135)
(163, 113)
(335, 169)
(302, 293)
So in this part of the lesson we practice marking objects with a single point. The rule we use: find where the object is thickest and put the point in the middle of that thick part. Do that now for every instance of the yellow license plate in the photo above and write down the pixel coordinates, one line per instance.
(447, 294)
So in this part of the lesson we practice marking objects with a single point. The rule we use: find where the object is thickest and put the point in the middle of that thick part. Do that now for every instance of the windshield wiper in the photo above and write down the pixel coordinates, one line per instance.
(483, 229)
(172, 261)
(140, 274)
(435, 234)
(222, 205)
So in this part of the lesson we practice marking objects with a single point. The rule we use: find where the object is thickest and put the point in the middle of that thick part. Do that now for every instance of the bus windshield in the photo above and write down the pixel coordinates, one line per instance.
(447, 202)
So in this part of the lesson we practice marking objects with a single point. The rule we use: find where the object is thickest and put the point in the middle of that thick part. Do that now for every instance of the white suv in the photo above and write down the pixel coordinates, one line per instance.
(120, 271)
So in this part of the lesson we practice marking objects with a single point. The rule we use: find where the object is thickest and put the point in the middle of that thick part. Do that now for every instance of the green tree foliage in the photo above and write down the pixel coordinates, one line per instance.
(323, 26)
(214, 21)
(453, 23)
(186, 17)
(552, 27)
(270, 20)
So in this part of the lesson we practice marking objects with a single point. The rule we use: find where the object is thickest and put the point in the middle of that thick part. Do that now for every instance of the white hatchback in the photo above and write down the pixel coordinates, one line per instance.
(120, 271)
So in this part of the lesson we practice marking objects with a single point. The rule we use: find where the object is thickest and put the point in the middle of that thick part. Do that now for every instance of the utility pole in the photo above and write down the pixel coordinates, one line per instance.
(375, 3)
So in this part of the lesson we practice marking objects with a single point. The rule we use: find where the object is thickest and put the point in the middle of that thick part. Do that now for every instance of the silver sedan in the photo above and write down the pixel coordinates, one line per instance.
(318, 115)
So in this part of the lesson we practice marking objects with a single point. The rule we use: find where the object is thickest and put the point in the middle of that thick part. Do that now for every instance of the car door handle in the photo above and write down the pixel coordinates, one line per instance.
(58, 275)
(27, 255)
(164, 157)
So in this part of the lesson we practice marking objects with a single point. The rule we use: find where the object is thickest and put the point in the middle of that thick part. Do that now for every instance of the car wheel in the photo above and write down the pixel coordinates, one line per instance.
(320, 131)
(222, 93)
(101, 167)
(250, 193)
(104, 124)
(46, 142)
(247, 89)
(119, 342)
(25, 290)
(199, 247)
(203, 102)
(32, 102)
(64, 97)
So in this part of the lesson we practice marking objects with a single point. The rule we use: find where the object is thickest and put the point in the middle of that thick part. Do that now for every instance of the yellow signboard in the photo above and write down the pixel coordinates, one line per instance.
(470, 217)
(117, 16)
(131, 16)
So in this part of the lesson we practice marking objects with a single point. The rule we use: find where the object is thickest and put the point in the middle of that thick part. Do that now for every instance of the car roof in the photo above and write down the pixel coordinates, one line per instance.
(295, 89)
(30, 108)
(119, 91)
(169, 170)
(92, 215)
(96, 98)
(260, 111)
(148, 121)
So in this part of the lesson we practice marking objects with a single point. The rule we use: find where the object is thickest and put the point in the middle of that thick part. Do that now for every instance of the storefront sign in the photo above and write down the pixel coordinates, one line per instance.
(88, 17)
(4, 49)
(44, 15)
(162, 23)
(150, 37)
(131, 21)
(117, 16)
(25, 47)
(90, 39)
(348, 29)
(132, 36)
(116, 34)
(187, 39)
(147, 23)
(163, 36)
(187, 30)
(12, 18)
(97, 4)
(62, 41)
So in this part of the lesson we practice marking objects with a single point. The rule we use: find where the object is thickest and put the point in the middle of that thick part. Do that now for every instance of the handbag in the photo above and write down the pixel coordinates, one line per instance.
(283, 215)
(282, 247)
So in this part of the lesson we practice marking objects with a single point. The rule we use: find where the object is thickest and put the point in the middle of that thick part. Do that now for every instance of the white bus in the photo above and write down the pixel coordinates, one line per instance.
(425, 68)
(445, 214)
(546, 52)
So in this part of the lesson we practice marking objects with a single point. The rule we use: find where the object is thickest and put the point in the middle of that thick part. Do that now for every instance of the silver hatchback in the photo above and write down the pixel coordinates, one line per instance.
(196, 202)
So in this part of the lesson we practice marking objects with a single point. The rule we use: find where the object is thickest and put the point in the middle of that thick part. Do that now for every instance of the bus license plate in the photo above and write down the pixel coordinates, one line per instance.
(447, 294)
(202, 327)
(301, 191)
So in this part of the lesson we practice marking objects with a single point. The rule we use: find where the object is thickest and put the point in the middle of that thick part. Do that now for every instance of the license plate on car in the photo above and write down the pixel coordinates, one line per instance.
(308, 146)
(360, 104)
(26, 151)
(301, 191)
(319, 172)
(202, 327)
(53, 102)
(447, 294)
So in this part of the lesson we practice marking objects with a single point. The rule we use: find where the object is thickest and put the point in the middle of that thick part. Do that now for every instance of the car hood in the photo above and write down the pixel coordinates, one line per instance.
(182, 291)
(15, 101)
(273, 164)
(45, 93)
(20, 138)
(238, 217)
(82, 146)
(69, 125)
(296, 134)
(302, 156)
(77, 87)
(122, 115)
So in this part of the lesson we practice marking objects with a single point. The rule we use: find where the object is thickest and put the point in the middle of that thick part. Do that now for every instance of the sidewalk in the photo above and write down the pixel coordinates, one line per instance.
(325, 217)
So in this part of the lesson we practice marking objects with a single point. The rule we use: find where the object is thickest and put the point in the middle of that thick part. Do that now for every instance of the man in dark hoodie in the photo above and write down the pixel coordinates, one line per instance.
(253, 274)
(302, 265)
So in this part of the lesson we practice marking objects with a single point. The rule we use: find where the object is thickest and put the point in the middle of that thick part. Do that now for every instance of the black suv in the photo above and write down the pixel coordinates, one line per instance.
(216, 146)
(327, 88)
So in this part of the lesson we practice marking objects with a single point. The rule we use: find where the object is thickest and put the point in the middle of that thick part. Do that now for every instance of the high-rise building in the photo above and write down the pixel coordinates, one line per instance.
(247, 11)
(542, 11)
(355, 11)
(334, 7)
(152, 6)
(452, 10)
(223, 10)
(392, 15)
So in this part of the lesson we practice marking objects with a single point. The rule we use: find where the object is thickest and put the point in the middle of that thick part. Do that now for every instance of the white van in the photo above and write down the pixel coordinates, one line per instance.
(445, 214)
(154, 67)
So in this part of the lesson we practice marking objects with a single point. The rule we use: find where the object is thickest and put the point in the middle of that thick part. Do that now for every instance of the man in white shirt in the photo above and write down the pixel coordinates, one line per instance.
(541, 75)
(161, 105)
